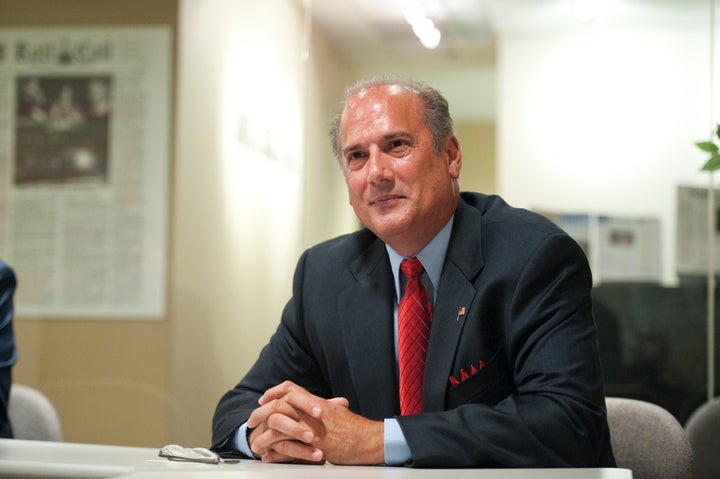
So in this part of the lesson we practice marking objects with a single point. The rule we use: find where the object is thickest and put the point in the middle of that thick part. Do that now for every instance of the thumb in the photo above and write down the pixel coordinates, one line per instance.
(340, 401)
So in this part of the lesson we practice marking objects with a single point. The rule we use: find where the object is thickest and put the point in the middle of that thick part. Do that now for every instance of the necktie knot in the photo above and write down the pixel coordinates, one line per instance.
(412, 267)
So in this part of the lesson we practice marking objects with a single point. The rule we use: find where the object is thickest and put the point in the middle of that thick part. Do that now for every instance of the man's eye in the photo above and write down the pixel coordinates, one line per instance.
(398, 147)
(354, 159)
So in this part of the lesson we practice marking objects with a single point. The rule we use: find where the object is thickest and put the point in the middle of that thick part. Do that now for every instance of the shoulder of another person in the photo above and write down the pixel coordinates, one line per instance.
(6, 273)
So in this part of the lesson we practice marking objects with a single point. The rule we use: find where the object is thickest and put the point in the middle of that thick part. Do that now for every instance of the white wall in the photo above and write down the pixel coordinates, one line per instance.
(255, 183)
(237, 206)
(603, 121)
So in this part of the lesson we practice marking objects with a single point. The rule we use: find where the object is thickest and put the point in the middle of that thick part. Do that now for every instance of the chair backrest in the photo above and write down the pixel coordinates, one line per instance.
(703, 430)
(648, 440)
(32, 415)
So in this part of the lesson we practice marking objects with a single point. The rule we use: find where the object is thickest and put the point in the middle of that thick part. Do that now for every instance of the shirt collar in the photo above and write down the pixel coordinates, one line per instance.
(431, 256)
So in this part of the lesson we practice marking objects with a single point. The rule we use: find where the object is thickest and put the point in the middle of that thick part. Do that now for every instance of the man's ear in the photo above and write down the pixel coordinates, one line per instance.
(454, 156)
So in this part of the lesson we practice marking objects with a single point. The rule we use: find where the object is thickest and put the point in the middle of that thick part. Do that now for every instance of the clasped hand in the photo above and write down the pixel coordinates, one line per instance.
(293, 425)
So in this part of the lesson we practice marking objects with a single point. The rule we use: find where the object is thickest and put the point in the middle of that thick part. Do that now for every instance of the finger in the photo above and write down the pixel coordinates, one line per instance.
(271, 455)
(305, 402)
(275, 457)
(340, 401)
(262, 413)
(313, 405)
(260, 442)
(277, 392)
(276, 428)
(296, 450)
(263, 443)
(290, 428)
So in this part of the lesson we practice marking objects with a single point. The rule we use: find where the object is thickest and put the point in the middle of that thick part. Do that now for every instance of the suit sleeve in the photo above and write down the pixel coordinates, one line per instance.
(555, 416)
(8, 352)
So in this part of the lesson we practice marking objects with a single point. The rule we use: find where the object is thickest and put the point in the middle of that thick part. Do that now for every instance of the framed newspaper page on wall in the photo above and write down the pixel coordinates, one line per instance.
(84, 146)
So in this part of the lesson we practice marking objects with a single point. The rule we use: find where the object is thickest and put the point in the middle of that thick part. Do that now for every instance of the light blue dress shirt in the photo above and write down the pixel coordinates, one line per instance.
(432, 258)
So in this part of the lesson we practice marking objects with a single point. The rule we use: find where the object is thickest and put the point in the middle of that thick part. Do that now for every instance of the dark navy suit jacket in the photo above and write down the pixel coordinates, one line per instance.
(8, 353)
(515, 381)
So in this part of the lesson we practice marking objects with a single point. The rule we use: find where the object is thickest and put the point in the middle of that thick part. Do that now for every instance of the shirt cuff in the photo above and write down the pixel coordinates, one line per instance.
(241, 442)
(397, 452)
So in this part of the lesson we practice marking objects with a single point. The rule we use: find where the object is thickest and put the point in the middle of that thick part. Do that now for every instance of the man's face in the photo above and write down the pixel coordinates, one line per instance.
(399, 187)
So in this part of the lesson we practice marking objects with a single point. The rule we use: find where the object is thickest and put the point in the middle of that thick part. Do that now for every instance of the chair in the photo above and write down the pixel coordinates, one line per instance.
(703, 430)
(32, 415)
(648, 440)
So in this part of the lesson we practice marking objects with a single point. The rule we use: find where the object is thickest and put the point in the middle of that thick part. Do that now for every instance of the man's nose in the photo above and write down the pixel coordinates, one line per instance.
(379, 166)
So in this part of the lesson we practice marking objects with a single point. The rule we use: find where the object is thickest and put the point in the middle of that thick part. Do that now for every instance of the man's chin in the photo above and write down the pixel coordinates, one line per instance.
(387, 230)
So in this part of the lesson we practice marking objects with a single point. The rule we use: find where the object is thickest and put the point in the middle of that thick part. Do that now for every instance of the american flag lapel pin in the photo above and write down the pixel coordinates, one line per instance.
(461, 313)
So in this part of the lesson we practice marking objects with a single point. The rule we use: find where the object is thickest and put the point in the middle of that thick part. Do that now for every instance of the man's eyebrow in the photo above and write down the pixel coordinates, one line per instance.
(397, 134)
(383, 139)
(350, 148)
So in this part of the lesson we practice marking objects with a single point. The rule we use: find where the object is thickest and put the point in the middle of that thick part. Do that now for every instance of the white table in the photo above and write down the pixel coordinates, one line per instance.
(36, 459)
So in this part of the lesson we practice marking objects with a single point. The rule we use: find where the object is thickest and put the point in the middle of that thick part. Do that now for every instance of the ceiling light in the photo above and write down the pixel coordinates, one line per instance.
(414, 13)
(423, 27)
(431, 38)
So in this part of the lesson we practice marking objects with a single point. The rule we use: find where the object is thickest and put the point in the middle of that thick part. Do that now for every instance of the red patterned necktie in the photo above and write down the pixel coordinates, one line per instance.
(414, 316)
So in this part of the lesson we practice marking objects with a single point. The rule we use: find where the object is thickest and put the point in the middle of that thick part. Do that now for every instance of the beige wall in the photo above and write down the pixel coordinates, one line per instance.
(150, 383)
(477, 141)
(327, 212)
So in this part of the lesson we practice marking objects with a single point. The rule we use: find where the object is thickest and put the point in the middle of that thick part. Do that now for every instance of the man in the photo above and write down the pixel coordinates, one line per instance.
(511, 372)
(8, 353)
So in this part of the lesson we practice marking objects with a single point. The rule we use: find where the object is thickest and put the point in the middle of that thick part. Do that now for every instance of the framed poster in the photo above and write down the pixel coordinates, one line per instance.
(692, 231)
(625, 249)
(629, 249)
(84, 145)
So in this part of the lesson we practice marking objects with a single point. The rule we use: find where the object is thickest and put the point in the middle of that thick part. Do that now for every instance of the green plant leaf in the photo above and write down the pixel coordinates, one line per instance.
(717, 130)
(712, 164)
(708, 146)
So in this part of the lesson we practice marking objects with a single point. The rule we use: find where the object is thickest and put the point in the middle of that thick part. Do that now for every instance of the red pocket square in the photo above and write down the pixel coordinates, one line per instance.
(464, 375)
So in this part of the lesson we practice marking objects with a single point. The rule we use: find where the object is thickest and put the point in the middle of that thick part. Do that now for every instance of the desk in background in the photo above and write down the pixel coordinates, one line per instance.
(20, 459)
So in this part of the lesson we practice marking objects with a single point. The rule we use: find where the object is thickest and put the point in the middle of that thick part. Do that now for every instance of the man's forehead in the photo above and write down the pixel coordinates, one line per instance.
(378, 118)
(379, 100)
(389, 88)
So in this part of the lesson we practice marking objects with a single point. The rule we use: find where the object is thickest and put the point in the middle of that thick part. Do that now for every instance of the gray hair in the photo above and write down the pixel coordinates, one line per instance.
(437, 114)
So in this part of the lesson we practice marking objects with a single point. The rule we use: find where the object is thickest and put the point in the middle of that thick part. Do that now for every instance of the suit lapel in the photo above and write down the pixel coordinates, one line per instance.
(463, 261)
(366, 311)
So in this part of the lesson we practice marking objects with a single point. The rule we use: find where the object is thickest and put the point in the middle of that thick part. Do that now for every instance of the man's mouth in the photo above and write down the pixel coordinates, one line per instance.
(384, 200)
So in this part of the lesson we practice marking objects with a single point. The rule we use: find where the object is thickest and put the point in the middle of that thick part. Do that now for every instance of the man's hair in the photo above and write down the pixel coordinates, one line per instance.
(437, 114)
